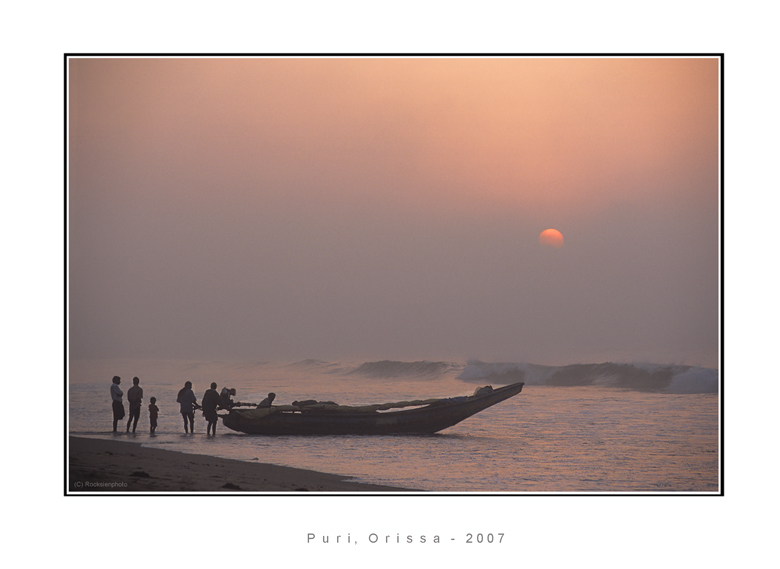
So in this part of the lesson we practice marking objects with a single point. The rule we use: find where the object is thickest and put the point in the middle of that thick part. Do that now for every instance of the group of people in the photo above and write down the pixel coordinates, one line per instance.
(188, 403)
(211, 401)
(134, 397)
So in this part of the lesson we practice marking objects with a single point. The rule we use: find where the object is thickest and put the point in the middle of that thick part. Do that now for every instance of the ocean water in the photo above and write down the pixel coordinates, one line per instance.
(590, 428)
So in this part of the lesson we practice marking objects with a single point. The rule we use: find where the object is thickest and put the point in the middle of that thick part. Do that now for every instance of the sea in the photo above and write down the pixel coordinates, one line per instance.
(623, 428)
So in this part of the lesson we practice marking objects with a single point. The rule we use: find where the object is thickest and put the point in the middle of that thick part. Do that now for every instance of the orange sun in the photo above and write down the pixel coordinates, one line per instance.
(551, 238)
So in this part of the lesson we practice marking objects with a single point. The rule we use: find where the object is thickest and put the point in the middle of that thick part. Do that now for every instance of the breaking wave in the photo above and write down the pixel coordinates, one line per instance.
(660, 378)
(318, 366)
(387, 369)
(637, 377)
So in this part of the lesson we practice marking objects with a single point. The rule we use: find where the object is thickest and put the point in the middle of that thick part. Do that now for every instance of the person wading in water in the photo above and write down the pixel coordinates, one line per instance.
(209, 404)
(116, 401)
(134, 396)
(188, 403)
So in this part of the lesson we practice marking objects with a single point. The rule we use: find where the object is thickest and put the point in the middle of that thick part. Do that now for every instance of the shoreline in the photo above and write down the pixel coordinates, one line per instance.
(113, 466)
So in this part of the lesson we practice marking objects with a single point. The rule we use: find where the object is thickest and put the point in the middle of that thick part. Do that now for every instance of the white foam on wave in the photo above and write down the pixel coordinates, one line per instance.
(695, 380)
(643, 377)
(390, 369)
(508, 372)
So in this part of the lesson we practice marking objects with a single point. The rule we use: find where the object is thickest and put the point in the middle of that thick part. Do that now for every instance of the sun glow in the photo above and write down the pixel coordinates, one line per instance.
(551, 238)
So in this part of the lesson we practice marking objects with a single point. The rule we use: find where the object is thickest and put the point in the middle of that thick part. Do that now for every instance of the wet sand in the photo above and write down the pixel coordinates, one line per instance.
(98, 465)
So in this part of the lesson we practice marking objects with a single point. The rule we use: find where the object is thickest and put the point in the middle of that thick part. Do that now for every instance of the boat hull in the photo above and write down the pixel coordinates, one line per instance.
(424, 420)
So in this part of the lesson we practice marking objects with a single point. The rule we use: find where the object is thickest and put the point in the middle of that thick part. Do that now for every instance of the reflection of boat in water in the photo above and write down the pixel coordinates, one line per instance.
(405, 417)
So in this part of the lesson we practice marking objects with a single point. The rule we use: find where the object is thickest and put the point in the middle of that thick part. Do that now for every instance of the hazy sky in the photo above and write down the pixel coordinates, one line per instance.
(358, 208)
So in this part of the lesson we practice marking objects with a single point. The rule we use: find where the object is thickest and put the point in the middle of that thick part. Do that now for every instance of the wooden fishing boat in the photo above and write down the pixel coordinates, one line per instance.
(406, 417)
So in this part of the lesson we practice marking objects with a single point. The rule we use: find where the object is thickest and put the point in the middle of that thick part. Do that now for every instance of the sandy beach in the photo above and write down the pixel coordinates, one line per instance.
(98, 465)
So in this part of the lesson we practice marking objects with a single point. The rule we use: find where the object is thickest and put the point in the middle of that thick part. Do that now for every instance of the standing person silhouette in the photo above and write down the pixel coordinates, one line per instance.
(116, 401)
(134, 396)
(153, 411)
(209, 404)
(188, 403)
